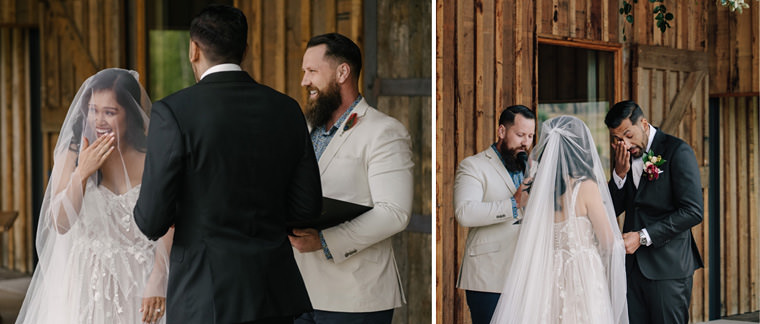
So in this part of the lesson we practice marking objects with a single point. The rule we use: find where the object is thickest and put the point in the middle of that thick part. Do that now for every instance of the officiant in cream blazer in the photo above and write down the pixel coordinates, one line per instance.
(483, 202)
(364, 158)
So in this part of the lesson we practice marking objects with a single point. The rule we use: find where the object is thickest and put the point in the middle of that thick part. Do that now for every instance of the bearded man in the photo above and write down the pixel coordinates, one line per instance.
(364, 157)
(487, 192)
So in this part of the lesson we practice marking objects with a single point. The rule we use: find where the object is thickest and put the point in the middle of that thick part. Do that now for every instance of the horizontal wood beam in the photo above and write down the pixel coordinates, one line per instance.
(403, 87)
(734, 94)
(664, 58)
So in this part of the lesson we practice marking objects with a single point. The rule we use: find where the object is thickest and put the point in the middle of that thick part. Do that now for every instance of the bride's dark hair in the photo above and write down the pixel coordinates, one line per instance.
(580, 169)
(127, 93)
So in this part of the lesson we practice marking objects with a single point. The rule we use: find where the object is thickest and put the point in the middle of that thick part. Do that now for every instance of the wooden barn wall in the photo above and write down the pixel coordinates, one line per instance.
(485, 57)
(734, 50)
(404, 35)
(485, 62)
(77, 39)
(19, 13)
(739, 197)
(661, 74)
(278, 32)
(15, 147)
(590, 20)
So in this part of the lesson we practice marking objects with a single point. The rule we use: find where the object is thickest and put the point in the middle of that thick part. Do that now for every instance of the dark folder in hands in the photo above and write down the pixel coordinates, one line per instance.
(334, 212)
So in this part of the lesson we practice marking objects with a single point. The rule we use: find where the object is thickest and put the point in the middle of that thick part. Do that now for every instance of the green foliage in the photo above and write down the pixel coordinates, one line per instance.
(663, 17)
(660, 13)
(170, 69)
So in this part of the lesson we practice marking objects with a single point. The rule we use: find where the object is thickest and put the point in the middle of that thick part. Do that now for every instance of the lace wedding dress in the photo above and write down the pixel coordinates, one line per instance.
(110, 260)
(107, 271)
(581, 293)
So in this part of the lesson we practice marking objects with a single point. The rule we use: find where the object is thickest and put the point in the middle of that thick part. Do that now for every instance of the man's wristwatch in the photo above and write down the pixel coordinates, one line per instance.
(642, 238)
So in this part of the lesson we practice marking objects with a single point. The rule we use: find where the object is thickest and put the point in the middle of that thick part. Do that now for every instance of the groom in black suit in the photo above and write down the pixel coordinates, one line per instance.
(662, 201)
(228, 162)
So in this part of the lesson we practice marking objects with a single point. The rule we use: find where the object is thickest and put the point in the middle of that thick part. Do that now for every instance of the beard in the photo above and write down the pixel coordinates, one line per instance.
(511, 161)
(320, 110)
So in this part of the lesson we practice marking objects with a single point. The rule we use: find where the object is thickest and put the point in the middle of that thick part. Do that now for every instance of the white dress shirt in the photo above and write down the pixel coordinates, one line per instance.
(637, 168)
(224, 67)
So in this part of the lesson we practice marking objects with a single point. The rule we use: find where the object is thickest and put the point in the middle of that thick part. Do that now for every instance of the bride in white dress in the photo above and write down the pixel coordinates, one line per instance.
(95, 266)
(569, 263)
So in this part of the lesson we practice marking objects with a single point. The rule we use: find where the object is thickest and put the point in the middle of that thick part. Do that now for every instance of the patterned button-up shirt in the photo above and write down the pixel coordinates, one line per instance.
(320, 137)
(517, 178)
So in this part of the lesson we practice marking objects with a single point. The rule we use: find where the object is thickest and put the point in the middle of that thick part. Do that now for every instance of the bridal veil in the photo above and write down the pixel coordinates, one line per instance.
(554, 276)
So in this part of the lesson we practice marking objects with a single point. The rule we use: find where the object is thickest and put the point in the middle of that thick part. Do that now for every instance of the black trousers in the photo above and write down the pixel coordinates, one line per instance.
(657, 301)
(482, 305)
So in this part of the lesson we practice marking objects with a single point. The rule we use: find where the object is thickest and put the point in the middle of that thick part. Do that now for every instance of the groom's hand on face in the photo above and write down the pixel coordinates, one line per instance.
(631, 241)
(622, 157)
(305, 240)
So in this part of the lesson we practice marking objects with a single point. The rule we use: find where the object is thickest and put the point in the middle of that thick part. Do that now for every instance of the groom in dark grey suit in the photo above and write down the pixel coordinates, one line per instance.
(229, 161)
(662, 201)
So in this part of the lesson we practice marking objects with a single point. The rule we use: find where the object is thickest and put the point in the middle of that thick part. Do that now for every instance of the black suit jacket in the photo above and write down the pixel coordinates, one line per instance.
(229, 161)
(667, 207)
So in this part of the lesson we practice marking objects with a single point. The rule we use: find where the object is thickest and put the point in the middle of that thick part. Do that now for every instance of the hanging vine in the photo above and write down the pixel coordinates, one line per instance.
(663, 17)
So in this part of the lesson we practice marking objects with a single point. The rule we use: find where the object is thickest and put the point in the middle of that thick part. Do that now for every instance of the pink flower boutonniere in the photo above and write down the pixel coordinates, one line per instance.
(352, 120)
(652, 165)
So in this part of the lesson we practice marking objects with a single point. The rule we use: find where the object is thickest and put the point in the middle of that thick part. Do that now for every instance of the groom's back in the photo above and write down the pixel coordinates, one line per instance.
(247, 168)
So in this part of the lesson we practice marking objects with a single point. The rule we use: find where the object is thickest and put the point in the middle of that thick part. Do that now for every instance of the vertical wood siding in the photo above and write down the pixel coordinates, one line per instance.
(739, 195)
(15, 146)
(734, 50)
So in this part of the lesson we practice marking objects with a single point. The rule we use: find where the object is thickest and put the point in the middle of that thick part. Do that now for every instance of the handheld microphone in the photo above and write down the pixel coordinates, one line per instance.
(522, 157)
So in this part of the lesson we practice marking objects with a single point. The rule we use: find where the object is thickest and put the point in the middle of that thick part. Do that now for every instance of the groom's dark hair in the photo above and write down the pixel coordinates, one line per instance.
(508, 115)
(622, 110)
(222, 33)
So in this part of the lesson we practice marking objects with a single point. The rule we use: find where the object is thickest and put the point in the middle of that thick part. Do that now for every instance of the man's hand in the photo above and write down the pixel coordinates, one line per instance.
(622, 158)
(305, 240)
(631, 241)
(521, 195)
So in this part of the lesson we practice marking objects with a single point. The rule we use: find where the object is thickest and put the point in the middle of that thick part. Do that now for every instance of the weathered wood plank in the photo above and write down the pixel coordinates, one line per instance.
(465, 83)
(731, 213)
(20, 103)
(658, 87)
(662, 58)
(572, 18)
(742, 51)
(295, 46)
(755, 57)
(681, 101)
(502, 54)
(445, 161)
(743, 213)
(484, 65)
(273, 45)
(753, 159)
(6, 128)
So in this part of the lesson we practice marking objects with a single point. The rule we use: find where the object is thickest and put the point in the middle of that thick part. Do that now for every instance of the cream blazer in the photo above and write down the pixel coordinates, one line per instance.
(482, 192)
(368, 164)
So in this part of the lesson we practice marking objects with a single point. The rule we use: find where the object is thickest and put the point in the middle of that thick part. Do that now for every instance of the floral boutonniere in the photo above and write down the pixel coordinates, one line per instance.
(352, 120)
(652, 165)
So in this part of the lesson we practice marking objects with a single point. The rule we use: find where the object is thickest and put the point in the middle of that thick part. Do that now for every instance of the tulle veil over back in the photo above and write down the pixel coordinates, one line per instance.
(567, 267)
